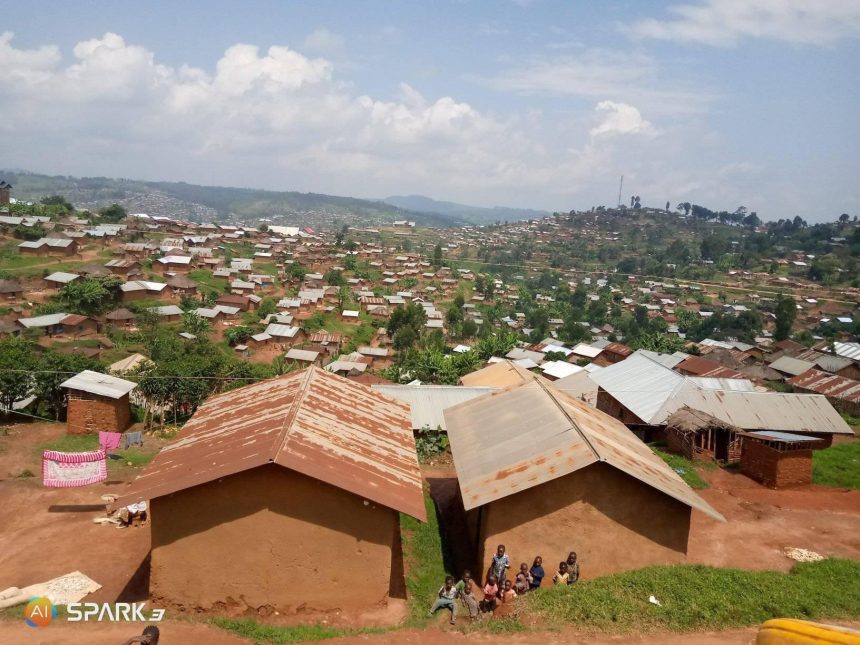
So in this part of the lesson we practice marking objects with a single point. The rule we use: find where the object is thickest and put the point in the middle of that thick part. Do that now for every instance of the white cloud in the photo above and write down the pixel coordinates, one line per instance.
(600, 73)
(281, 119)
(324, 41)
(620, 118)
(724, 22)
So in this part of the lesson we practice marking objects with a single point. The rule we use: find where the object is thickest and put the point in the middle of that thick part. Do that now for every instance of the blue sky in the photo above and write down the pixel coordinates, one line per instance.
(532, 103)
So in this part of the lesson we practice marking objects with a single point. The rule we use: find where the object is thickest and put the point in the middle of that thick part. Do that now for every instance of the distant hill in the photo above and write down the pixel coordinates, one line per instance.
(218, 203)
(473, 214)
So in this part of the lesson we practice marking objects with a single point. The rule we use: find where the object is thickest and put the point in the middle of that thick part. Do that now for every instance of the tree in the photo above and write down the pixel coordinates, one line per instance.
(91, 295)
(786, 312)
(54, 368)
(113, 213)
(58, 200)
(195, 324)
(470, 328)
(843, 219)
(404, 338)
(17, 361)
(334, 278)
(437, 256)
(238, 335)
(668, 204)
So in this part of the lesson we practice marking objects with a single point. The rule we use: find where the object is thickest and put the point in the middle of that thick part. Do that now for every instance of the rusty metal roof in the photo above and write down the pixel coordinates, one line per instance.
(523, 436)
(316, 423)
(837, 387)
(500, 374)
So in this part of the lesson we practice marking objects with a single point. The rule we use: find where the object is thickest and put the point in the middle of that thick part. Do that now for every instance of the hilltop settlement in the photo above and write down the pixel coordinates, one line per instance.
(281, 417)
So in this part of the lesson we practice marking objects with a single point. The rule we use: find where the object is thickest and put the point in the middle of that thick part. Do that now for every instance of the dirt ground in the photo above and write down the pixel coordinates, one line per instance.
(180, 632)
(50, 532)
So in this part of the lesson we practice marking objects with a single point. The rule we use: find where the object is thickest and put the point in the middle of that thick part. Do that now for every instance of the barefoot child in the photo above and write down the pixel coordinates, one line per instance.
(523, 580)
(501, 564)
(561, 577)
(447, 597)
(537, 574)
(491, 594)
(468, 596)
(572, 568)
(509, 593)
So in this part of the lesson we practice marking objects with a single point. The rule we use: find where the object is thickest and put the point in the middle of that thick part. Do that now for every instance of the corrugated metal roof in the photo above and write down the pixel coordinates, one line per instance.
(501, 374)
(760, 410)
(277, 330)
(428, 402)
(48, 320)
(667, 360)
(780, 436)
(790, 365)
(523, 436)
(731, 384)
(848, 350)
(837, 387)
(302, 355)
(640, 384)
(313, 422)
(100, 384)
(62, 276)
(560, 369)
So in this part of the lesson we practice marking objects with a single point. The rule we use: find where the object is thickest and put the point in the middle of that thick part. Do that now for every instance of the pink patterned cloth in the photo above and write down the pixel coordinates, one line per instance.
(110, 440)
(69, 469)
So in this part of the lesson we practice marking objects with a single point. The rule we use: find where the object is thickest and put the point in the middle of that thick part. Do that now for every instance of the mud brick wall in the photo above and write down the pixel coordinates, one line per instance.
(88, 413)
(776, 469)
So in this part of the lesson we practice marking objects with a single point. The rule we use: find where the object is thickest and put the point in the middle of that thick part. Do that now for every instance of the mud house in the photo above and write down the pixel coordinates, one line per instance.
(49, 246)
(287, 480)
(544, 473)
(97, 402)
(700, 437)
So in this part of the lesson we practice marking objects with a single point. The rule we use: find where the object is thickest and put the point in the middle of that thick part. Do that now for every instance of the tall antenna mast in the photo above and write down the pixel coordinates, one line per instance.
(620, 185)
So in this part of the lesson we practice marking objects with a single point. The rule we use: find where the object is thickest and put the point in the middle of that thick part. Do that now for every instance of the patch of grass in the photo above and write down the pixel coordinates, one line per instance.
(260, 633)
(696, 597)
(850, 419)
(423, 555)
(204, 277)
(134, 456)
(72, 443)
(690, 469)
(837, 466)
(25, 474)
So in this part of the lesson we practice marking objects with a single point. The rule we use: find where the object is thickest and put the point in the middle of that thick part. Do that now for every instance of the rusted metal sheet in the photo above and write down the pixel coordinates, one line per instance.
(311, 421)
(526, 435)
(837, 387)
(501, 374)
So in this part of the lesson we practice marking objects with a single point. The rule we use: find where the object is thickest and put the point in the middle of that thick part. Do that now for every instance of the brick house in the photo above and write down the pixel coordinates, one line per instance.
(97, 402)
(778, 459)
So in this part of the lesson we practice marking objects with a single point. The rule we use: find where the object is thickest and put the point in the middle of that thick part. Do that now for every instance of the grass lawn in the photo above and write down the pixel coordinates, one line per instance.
(260, 633)
(85, 442)
(690, 469)
(423, 554)
(696, 597)
(205, 278)
(837, 466)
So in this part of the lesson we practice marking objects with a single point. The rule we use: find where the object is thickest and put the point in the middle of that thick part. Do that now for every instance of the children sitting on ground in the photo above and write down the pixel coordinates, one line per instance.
(468, 596)
(509, 593)
(467, 577)
(536, 573)
(561, 576)
(500, 565)
(523, 580)
(447, 597)
(491, 594)
(572, 568)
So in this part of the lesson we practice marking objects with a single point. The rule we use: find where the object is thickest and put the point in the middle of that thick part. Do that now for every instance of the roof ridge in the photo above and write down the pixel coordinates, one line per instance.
(573, 423)
(290, 417)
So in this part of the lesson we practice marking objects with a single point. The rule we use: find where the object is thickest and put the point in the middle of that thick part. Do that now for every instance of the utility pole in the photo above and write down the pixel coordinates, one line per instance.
(620, 185)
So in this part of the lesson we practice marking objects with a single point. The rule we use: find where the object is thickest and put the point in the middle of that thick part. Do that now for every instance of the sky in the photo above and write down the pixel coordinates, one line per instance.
(525, 103)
